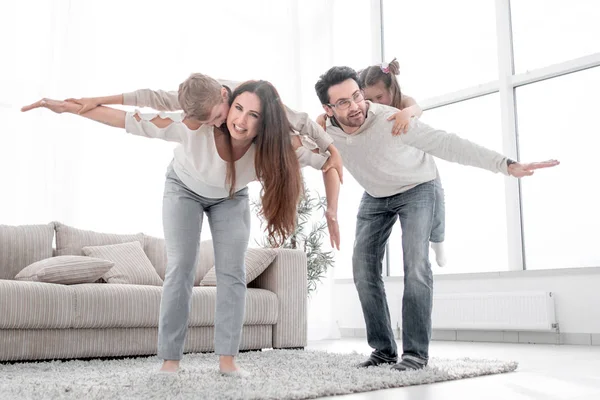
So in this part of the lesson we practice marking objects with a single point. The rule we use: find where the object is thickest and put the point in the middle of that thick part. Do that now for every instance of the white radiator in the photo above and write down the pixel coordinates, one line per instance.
(520, 311)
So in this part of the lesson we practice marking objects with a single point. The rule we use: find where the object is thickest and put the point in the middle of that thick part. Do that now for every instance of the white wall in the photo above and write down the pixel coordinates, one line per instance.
(577, 295)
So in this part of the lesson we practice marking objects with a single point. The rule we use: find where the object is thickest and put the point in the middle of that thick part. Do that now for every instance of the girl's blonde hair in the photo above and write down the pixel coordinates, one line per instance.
(387, 74)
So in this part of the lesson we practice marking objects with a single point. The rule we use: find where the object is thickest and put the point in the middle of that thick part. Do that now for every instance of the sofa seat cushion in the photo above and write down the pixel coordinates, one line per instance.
(137, 306)
(106, 305)
(35, 305)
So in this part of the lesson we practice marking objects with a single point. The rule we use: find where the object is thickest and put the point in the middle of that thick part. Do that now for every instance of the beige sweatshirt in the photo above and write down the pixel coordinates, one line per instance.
(386, 165)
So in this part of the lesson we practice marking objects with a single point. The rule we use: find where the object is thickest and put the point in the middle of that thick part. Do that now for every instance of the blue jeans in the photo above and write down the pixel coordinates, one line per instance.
(376, 217)
(438, 231)
(229, 219)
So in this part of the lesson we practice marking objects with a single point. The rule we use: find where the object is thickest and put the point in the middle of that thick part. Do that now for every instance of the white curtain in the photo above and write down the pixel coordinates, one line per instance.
(67, 168)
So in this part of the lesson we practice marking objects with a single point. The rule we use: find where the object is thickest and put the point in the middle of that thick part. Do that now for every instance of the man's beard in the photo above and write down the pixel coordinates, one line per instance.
(355, 122)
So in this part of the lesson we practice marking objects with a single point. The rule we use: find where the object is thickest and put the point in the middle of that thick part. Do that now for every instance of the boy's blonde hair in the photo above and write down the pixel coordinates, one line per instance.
(197, 96)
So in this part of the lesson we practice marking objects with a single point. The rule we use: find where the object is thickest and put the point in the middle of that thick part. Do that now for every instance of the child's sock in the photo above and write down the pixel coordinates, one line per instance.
(440, 253)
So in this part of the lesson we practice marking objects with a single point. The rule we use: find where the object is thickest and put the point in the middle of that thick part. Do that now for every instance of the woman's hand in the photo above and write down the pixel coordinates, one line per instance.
(322, 120)
(58, 106)
(402, 122)
(86, 103)
(334, 228)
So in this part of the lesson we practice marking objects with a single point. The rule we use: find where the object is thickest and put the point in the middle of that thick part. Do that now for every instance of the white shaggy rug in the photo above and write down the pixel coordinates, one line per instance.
(276, 374)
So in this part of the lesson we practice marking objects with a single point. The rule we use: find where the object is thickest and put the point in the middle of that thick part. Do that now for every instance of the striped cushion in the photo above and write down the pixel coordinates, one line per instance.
(132, 266)
(23, 245)
(71, 241)
(156, 251)
(35, 305)
(66, 270)
(256, 261)
(39, 344)
(136, 306)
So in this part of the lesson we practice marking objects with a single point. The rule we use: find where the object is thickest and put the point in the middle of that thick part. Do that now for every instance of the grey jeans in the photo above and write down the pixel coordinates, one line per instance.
(229, 220)
(374, 222)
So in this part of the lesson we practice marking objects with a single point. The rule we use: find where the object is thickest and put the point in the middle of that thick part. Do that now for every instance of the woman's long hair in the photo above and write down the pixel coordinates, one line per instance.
(276, 163)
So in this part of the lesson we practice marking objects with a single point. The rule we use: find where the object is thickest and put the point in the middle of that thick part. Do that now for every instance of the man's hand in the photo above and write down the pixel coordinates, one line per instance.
(86, 104)
(334, 228)
(519, 170)
(402, 122)
(335, 162)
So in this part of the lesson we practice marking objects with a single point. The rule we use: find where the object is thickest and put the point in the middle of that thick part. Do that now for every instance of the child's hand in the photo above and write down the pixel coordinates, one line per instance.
(322, 120)
(402, 122)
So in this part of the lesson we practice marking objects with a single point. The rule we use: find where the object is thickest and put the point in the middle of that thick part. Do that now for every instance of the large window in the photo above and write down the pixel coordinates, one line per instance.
(547, 32)
(558, 118)
(442, 46)
(542, 59)
(475, 198)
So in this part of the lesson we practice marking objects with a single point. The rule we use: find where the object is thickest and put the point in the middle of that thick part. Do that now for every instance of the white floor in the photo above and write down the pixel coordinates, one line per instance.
(548, 372)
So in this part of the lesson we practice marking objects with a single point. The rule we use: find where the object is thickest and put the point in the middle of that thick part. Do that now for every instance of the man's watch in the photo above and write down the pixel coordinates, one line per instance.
(510, 162)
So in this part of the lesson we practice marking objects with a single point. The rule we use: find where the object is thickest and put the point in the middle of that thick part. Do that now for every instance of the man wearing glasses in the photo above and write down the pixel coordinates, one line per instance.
(397, 173)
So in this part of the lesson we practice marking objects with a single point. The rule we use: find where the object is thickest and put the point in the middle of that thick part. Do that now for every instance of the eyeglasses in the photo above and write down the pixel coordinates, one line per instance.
(343, 104)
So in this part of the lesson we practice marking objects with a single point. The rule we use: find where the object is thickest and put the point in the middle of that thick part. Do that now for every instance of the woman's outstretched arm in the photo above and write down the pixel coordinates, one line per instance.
(148, 125)
(105, 115)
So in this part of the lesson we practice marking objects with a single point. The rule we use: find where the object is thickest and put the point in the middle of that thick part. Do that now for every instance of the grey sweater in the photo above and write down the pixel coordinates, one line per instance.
(385, 165)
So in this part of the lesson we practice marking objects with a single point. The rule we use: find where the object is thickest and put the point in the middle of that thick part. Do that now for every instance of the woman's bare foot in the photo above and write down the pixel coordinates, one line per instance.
(58, 106)
(170, 366)
(227, 364)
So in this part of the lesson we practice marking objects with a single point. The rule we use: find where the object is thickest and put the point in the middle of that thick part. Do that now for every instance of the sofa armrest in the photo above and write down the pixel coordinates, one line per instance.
(287, 278)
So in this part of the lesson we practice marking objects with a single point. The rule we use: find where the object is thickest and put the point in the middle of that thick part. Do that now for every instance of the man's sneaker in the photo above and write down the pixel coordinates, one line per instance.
(409, 364)
(373, 362)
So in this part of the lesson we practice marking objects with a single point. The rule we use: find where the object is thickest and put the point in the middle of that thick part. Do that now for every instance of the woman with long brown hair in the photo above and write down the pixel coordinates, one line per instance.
(209, 174)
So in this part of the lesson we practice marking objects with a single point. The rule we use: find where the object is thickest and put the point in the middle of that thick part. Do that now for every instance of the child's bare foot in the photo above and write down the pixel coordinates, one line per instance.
(170, 366)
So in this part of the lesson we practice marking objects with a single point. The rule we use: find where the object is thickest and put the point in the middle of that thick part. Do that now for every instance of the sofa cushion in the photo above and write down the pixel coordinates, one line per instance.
(23, 245)
(132, 266)
(135, 306)
(256, 261)
(156, 251)
(66, 270)
(71, 241)
(35, 305)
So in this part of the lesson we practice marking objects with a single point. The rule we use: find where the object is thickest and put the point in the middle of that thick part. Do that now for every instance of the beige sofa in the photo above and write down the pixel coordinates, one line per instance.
(41, 320)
